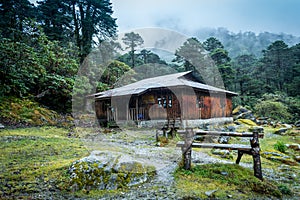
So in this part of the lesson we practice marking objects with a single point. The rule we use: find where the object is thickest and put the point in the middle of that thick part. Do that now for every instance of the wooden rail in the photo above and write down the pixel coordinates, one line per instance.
(252, 149)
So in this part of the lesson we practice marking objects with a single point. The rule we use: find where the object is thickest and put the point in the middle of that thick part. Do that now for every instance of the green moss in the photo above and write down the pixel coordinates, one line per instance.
(226, 178)
(33, 160)
(247, 122)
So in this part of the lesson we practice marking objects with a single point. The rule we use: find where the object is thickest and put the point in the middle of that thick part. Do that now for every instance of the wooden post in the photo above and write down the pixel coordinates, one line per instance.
(187, 149)
(255, 151)
(137, 107)
(240, 154)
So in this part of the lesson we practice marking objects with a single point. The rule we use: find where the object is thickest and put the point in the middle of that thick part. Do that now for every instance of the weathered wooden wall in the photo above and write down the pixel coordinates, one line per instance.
(184, 105)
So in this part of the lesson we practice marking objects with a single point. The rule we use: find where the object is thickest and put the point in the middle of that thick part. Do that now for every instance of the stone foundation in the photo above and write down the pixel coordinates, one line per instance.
(196, 123)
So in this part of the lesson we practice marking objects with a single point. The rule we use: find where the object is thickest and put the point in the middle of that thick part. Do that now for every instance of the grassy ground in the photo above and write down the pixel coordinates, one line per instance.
(34, 164)
(226, 180)
(36, 160)
(236, 182)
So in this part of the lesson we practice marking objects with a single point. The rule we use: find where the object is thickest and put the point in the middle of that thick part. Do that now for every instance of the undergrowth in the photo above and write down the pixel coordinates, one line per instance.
(26, 112)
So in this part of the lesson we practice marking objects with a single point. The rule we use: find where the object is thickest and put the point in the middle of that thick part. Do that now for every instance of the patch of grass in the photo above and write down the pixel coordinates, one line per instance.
(227, 179)
(280, 146)
(35, 160)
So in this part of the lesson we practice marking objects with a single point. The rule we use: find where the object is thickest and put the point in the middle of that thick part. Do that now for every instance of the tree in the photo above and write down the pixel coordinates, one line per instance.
(293, 84)
(150, 57)
(15, 17)
(132, 40)
(45, 72)
(55, 19)
(80, 21)
(243, 66)
(276, 61)
(92, 18)
(221, 58)
(114, 71)
(212, 43)
(194, 57)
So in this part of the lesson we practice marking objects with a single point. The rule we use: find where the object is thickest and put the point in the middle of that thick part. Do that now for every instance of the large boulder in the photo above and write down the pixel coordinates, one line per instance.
(107, 171)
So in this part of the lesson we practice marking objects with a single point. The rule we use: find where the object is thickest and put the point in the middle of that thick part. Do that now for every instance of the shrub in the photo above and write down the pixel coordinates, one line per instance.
(284, 189)
(272, 109)
(280, 146)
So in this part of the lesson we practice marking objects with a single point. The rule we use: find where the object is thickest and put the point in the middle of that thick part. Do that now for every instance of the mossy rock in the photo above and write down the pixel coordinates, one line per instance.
(247, 122)
(238, 110)
(277, 157)
(107, 171)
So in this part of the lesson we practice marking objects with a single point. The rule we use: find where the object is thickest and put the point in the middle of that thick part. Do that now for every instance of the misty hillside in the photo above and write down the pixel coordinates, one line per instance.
(245, 42)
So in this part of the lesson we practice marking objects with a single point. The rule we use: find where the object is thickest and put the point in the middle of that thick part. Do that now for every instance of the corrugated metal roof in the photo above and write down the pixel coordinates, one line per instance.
(172, 80)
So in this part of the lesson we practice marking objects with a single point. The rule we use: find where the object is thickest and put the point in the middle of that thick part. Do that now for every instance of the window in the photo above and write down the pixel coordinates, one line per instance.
(170, 101)
(165, 101)
(159, 102)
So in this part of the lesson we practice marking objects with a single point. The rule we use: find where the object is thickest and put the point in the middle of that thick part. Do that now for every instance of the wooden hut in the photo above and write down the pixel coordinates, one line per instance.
(177, 96)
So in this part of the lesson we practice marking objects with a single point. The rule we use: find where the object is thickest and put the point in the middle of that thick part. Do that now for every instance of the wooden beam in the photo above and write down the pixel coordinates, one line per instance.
(217, 133)
(241, 147)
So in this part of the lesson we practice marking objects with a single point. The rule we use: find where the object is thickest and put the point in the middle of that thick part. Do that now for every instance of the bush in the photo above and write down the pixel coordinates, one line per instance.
(280, 146)
(273, 109)
(284, 189)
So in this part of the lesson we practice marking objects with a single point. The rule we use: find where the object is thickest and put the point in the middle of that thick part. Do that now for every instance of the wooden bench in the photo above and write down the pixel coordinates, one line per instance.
(252, 149)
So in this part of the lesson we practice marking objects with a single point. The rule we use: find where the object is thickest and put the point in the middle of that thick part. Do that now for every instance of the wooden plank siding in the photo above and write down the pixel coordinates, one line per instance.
(164, 104)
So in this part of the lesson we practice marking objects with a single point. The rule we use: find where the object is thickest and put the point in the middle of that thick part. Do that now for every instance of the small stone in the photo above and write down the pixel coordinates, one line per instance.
(229, 196)
(224, 173)
(287, 126)
(297, 123)
(210, 193)
(297, 158)
(224, 139)
(295, 147)
(2, 126)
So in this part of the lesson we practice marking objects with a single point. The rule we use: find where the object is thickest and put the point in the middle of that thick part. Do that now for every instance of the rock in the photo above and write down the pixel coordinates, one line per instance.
(246, 115)
(210, 193)
(222, 153)
(247, 122)
(280, 131)
(224, 139)
(279, 158)
(263, 118)
(297, 158)
(224, 173)
(297, 123)
(231, 128)
(295, 147)
(287, 126)
(240, 109)
(2, 126)
(107, 171)
(268, 154)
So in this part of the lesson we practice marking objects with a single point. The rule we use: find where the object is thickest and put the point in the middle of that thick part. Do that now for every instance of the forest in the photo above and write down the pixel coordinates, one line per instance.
(44, 45)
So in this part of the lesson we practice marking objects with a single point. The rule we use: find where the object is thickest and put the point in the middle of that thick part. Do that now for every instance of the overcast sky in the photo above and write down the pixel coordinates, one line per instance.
(277, 16)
